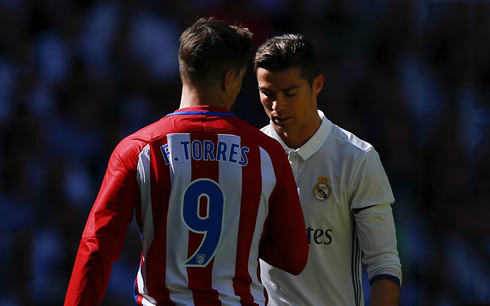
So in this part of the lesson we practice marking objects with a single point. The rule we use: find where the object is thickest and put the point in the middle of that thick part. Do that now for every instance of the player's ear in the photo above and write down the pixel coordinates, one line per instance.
(229, 80)
(318, 84)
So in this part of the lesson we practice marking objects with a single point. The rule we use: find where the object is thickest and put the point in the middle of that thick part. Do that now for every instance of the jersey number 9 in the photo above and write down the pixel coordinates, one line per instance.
(209, 223)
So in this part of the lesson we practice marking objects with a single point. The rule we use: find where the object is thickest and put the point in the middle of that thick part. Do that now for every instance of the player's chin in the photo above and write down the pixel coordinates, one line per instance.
(282, 128)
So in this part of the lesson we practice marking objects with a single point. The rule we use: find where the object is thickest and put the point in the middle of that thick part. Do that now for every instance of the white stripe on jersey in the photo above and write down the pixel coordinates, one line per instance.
(230, 179)
(143, 178)
(177, 235)
(268, 185)
(148, 301)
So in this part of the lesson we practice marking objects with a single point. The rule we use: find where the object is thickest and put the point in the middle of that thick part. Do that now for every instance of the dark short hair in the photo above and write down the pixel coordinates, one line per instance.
(210, 47)
(288, 51)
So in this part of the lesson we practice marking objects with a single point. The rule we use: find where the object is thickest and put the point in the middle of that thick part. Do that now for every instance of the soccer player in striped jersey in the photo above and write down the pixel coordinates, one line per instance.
(345, 194)
(210, 193)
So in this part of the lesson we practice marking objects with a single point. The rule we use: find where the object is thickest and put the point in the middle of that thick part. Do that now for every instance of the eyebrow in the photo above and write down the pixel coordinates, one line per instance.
(283, 90)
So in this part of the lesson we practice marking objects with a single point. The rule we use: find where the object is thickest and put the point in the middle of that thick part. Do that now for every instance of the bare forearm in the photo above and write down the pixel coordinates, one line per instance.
(384, 292)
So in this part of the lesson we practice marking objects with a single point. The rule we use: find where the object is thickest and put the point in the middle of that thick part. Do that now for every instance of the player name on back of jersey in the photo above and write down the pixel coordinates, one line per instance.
(224, 151)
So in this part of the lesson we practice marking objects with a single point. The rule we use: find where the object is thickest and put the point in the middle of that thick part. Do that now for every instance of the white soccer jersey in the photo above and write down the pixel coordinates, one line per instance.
(346, 200)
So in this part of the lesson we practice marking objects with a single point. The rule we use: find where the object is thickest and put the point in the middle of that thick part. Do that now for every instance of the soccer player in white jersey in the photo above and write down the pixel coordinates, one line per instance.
(210, 193)
(345, 194)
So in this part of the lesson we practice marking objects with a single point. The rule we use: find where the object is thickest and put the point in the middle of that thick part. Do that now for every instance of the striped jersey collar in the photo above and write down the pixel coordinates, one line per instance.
(203, 110)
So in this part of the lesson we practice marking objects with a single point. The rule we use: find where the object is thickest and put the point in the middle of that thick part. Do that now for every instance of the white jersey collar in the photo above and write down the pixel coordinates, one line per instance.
(313, 144)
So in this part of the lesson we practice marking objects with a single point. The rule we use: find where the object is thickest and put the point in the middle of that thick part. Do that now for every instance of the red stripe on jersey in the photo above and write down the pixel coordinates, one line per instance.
(156, 257)
(139, 299)
(252, 181)
(201, 278)
(203, 207)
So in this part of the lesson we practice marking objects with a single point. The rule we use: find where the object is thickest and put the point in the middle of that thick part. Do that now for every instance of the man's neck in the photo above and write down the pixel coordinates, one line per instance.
(297, 139)
(193, 97)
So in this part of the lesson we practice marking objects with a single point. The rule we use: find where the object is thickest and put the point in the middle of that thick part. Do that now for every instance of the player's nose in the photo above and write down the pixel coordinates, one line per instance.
(278, 104)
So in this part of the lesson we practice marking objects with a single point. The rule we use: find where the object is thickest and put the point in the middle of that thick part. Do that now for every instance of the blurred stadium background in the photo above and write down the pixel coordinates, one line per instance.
(412, 77)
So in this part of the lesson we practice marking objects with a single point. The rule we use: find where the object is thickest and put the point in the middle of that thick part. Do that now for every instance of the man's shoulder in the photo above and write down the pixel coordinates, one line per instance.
(133, 143)
(349, 140)
(263, 138)
(268, 135)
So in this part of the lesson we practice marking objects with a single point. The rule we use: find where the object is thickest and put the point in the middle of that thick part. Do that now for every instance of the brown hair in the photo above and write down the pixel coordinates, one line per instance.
(211, 47)
(288, 51)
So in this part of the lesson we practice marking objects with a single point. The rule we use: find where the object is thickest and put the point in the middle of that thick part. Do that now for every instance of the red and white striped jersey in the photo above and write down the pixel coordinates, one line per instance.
(211, 194)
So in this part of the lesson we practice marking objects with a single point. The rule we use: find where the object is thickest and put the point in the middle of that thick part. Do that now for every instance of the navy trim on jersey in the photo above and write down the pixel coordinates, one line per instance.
(355, 258)
(202, 113)
(385, 276)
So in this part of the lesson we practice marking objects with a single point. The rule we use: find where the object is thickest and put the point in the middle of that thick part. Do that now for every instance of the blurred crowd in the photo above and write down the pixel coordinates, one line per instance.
(412, 77)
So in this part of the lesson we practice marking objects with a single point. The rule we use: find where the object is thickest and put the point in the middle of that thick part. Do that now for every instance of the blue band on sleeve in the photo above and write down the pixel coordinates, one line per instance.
(392, 278)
